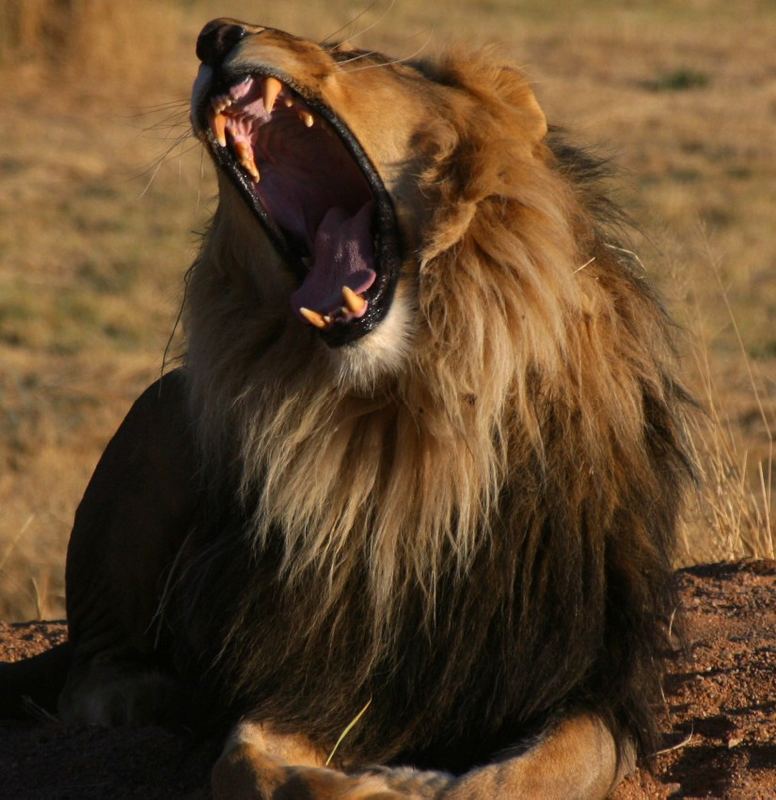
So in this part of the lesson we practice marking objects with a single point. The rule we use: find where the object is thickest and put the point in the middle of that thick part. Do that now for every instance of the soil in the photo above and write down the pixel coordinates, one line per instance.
(719, 723)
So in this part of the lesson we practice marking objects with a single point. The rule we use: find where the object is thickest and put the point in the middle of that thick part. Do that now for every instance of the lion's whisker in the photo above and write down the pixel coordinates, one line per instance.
(157, 164)
(145, 111)
(355, 19)
(402, 60)
(376, 22)
(358, 57)
(176, 119)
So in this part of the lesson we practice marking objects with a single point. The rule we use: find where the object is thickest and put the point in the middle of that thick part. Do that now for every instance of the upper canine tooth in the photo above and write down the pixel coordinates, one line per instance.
(307, 118)
(272, 88)
(245, 157)
(218, 126)
(354, 302)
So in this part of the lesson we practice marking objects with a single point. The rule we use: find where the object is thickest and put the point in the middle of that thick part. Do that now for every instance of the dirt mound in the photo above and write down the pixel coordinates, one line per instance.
(719, 726)
(720, 722)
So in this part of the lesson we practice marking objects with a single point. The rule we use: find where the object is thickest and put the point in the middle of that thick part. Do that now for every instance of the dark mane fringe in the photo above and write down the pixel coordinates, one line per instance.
(639, 587)
(593, 176)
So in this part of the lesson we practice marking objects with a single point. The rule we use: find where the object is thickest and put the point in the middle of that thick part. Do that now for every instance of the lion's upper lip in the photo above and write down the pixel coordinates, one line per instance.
(312, 193)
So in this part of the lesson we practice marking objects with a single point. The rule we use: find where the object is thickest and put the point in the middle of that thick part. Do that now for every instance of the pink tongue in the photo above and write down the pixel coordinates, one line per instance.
(341, 257)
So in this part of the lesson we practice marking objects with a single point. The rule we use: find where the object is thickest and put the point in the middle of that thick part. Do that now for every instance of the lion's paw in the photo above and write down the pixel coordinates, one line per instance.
(243, 776)
(259, 764)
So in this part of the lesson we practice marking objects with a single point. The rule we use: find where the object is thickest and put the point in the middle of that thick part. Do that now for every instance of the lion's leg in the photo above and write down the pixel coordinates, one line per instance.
(131, 523)
(255, 762)
(258, 764)
(575, 761)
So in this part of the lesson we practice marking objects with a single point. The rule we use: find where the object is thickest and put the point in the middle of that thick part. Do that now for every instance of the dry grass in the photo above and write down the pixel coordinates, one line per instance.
(735, 502)
(92, 251)
(731, 516)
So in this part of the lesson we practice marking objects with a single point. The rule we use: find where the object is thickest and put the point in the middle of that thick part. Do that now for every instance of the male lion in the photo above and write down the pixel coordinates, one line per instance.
(406, 514)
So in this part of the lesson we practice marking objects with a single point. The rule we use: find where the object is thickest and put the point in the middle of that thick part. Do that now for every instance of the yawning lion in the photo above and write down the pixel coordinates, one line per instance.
(405, 516)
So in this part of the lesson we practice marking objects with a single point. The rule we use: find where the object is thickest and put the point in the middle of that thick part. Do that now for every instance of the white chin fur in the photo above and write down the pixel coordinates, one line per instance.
(383, 351)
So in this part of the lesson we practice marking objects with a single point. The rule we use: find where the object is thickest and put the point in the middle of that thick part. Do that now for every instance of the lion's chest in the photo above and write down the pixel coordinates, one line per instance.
(281, 654)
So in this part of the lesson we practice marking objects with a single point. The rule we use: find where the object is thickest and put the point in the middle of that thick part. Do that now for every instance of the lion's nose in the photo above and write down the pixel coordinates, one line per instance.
(217, 38)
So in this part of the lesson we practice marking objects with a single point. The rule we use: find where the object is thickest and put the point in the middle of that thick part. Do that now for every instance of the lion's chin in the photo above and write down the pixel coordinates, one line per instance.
(365, 364)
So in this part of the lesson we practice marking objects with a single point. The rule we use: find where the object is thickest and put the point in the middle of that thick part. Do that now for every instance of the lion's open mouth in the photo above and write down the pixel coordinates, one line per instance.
(315, 190)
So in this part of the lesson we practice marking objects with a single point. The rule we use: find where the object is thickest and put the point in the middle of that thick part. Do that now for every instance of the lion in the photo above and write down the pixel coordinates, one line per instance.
(404, 518)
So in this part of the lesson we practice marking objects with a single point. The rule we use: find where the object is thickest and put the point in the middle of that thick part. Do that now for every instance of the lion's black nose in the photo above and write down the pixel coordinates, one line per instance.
(217, 38)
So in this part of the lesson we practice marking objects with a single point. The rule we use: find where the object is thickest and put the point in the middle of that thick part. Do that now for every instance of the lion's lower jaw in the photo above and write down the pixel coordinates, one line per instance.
(383, 352)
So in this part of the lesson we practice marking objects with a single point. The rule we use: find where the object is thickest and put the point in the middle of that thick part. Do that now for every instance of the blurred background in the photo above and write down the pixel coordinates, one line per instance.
(103, 194)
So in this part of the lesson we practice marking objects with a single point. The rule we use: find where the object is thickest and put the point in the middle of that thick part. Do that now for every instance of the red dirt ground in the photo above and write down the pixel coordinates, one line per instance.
(719, 727)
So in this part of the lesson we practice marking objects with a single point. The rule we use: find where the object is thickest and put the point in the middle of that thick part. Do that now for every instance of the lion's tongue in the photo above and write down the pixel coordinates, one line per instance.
(342, 253)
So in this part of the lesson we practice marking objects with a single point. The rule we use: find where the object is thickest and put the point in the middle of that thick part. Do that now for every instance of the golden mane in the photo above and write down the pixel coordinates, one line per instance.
(527, 325)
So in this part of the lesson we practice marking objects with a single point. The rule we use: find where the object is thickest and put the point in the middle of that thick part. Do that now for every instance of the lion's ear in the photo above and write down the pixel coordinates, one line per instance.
(517, 91)
(536, 121)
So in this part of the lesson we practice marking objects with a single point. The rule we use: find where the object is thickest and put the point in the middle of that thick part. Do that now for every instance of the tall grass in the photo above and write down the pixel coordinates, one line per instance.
(733, 514)
(731, 517)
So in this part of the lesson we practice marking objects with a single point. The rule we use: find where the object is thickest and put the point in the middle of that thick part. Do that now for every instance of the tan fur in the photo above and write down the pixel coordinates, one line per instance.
(575, 761)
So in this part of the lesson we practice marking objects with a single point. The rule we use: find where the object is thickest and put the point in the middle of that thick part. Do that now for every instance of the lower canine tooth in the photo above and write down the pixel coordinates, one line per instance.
(355, 303)
(314, 318)
(307, 118)
(245, 157)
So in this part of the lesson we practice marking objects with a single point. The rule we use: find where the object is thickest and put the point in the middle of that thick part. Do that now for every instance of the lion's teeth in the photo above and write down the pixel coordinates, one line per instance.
(220, 103)
(245, 157)
(314, 318)
(354, 302)
(272, 88)
(288, 102)
(218, 126)
(307, 118)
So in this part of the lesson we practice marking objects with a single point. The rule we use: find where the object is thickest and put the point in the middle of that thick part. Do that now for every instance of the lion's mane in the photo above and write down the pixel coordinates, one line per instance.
(480, 537)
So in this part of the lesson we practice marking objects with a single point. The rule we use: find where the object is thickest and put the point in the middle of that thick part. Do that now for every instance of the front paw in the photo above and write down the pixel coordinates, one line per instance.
(240, 775)
(256, 762)
(260, 764)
